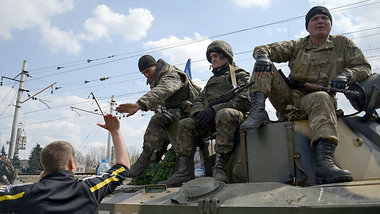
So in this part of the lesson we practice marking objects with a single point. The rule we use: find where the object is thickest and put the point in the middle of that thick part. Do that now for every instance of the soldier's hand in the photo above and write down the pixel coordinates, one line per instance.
(262, 65)
(340, 81)
(206, 116)
(112, 123)
(130, 108)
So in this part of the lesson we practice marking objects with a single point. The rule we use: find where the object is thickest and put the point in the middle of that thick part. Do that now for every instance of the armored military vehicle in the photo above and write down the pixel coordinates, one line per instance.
(272, 171)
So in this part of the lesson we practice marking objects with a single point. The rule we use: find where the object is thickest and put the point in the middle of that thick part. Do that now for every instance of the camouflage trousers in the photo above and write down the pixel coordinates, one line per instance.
(318, 107)
(190, 132)
(160, 132)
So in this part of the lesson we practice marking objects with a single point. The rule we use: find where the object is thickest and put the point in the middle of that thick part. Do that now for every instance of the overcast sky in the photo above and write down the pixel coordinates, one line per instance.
(99, 42)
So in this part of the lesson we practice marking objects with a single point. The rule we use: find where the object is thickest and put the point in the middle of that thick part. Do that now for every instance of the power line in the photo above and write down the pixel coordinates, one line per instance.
(344, 7)
(165, 47)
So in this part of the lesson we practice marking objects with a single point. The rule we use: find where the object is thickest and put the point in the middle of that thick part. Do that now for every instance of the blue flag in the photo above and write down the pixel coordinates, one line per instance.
(188, 68)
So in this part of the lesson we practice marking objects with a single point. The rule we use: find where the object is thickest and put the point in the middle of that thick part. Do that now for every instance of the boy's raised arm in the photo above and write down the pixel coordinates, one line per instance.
(112, 124)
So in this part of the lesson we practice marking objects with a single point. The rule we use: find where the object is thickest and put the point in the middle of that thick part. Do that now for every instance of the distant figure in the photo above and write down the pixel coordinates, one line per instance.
(170, 88)
(57, 191)
(7, 172)
(320, 58)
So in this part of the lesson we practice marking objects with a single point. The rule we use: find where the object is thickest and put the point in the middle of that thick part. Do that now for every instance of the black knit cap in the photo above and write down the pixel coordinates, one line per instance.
(317, 10)
(146, 61)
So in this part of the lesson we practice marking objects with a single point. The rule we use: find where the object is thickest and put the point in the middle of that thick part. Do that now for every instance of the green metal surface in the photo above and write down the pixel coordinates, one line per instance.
(261, 159)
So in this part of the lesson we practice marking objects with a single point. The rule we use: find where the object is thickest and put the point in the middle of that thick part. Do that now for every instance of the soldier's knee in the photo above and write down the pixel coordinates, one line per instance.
(320, 96)
(187, 123)
(228, 114)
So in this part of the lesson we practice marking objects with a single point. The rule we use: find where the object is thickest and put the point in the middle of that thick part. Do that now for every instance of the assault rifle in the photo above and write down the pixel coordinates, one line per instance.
(231, 93)
(222, 99)
(306, 86)
(163, 110)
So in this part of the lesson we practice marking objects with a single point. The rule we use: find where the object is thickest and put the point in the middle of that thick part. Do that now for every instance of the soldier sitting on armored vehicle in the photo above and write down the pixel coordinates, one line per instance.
(57, 191)
(207, 117)
(320, 58)
(173, 91)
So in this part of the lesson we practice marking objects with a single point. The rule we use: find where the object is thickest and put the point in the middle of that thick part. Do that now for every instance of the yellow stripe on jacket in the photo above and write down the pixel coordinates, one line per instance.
(11, 197)
(108, 180)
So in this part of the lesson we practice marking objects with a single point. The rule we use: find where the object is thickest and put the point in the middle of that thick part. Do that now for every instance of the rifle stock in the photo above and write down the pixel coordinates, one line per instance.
(315, 87)
(294, 84)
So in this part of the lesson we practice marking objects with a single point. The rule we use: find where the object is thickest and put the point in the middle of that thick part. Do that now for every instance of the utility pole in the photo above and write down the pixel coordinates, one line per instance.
(109, 145)
(12, 143)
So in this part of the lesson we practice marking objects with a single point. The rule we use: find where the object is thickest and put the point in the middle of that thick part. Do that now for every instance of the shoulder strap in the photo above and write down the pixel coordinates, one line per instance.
(233, 76)
(233, 82)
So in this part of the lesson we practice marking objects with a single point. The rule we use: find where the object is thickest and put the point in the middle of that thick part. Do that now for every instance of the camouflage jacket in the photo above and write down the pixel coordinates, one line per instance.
(170, 87)
(219, 84)
(319, 64)
(7, 172)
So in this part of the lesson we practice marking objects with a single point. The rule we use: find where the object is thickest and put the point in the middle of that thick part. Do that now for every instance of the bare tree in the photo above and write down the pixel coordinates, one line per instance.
(134, 153)
(79, 157)
(94, 156)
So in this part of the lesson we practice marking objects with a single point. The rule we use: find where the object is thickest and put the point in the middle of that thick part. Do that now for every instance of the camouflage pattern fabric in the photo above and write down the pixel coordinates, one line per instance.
(172, 89)
(7, 172)
(314, 64)
(228, 115)
(227, 122)
(157, 137)
(217, 85)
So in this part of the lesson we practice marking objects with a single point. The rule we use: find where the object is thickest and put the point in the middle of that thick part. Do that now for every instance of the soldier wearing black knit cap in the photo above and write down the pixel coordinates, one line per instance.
(319, 58)
(169, 87)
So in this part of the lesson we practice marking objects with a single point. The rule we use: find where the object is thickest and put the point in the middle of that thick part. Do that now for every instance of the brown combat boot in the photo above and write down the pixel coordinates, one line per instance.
(219, 169)
(326, 171)
(257, 115)
(182, 174)
(141, 164)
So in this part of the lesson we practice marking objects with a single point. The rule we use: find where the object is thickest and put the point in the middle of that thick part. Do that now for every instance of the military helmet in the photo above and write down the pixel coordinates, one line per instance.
(220, 46)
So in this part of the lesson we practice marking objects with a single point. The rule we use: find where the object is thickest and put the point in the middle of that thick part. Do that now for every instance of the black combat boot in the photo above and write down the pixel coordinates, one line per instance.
(326, 171)
(219, 169)
(257, 115)
(182, 174)
(142, 163)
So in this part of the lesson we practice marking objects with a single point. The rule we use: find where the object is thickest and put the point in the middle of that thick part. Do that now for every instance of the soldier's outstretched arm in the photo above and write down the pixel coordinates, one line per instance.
(130, 108)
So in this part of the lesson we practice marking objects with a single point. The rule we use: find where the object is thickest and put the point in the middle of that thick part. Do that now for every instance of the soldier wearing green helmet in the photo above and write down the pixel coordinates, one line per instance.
(223, 119)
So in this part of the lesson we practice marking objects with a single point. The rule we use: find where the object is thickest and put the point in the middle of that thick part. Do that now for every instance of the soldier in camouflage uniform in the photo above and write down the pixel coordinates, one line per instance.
(7, 172)
(319, 58)
(224, 118)
(170, 88)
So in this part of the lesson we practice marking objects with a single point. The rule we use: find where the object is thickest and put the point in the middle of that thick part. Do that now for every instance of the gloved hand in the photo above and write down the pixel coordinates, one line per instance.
(206, 116)
(340, 81)
(263, 63)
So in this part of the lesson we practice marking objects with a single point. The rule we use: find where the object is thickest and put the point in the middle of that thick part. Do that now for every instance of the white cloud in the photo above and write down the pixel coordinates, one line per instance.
(195, 50)
(59, 40)
(38, 14)
(105, 23)
(28, 14)
(252, 3)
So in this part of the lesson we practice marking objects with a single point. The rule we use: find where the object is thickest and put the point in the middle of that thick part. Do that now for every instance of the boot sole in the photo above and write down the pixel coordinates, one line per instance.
(170, 183)
(255, 127)
(321, 180)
